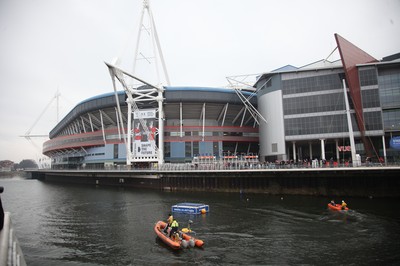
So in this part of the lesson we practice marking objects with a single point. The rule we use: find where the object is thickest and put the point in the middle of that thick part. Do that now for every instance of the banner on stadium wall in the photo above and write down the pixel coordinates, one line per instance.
(144, 144)
(395, 143)
(145, 114)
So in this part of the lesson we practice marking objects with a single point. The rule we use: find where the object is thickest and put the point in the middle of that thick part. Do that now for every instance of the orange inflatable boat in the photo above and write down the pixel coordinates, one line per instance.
(183, 241)
(337, 207)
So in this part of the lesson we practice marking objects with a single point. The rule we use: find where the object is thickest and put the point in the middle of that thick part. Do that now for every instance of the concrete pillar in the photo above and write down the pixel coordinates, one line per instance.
(384, 149)
(310, 146)
(323, 149)
(337, 151)
(294, 151)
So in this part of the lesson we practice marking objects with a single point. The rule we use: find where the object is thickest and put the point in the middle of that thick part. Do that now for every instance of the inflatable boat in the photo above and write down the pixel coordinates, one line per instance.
(337, 207)
(183, 241)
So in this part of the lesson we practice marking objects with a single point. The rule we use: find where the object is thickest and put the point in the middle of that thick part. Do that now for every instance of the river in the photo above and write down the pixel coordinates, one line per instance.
(67, 224)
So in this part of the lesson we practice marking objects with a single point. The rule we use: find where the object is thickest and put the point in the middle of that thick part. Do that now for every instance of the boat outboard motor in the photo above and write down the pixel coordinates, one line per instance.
(184, 243)
(191, 243)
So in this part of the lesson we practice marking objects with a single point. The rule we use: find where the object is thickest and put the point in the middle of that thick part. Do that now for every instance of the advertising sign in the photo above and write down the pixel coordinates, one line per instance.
(395, 143)
(344, 148)
(144, 131)
(144, 114)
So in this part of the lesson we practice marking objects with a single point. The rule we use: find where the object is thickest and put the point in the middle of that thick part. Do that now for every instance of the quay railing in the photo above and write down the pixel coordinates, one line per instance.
(10, 251)
(229, 166)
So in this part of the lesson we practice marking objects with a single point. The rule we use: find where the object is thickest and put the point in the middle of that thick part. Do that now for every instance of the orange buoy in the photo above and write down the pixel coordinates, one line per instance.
(203, 211)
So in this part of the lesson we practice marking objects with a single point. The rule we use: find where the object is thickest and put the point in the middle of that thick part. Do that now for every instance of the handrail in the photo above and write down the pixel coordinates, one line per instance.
(10, 251)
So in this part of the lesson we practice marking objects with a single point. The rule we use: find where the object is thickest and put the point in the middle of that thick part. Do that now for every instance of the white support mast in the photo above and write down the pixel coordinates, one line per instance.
(350, 126)
(142, 91)
(156, 47)
(150, 94)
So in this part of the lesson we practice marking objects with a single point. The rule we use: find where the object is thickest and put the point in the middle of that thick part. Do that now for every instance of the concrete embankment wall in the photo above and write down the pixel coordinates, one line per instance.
(137, 179)
(358, 182)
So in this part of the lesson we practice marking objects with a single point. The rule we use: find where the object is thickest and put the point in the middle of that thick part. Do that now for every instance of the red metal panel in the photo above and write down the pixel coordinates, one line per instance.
(351, 55)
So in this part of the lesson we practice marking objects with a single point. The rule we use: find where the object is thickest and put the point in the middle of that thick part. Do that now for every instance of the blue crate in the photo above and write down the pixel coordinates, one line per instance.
(191, 208)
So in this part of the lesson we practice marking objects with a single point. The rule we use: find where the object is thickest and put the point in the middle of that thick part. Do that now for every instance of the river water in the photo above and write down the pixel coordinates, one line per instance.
(65, 224)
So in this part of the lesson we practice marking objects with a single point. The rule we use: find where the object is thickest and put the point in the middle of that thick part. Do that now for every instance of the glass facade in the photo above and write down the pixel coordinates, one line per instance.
(312, 84)
(391, 120)
(320, 104)
(314, 103)
(389, 87)
(316, 125)
(370, 98)
(373, 120)
(193, 149)
(318, 98)
(368, 76)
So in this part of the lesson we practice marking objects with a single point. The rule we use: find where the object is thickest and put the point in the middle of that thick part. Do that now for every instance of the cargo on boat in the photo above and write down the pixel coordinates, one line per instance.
(191, 208)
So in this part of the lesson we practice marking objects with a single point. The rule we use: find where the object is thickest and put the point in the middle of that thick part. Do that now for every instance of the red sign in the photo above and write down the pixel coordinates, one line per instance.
(344, 148)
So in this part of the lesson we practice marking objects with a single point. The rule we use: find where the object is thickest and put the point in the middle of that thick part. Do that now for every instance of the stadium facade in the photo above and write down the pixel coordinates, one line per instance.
(304, 108)
(198, 122)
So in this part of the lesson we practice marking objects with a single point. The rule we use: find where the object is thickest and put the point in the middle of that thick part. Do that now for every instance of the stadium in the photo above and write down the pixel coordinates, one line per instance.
(342, 111)
(198, 122)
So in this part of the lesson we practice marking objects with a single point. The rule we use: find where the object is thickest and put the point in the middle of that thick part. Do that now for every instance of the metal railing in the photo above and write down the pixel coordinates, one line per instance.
(10, 251)
(219, 165)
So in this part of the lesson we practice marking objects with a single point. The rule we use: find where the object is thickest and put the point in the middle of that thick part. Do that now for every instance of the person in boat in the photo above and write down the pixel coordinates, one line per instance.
(169, 222)
(174, 228)
(333, 203)
(344, 205)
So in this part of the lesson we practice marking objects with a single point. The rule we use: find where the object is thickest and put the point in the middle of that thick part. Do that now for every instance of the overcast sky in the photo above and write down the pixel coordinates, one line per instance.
(48, 45)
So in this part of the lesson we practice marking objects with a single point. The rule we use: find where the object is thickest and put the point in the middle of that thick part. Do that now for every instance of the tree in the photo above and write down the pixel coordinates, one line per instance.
(6, 163)
(27, 163)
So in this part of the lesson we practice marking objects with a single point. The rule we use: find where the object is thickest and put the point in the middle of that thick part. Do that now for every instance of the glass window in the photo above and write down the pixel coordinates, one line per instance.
(389, 87)
(215, 148)
(391, 119)
(188, 149)
(370, 98)
(368, 77)
(373, 120)
(115, 151)
(195, 148)
(312, 84)
(167, 149)
(274, 147)
(319, 125)
(313, 104)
